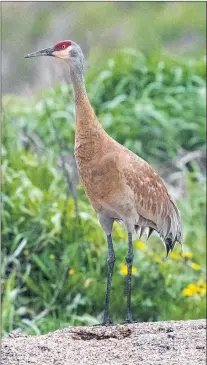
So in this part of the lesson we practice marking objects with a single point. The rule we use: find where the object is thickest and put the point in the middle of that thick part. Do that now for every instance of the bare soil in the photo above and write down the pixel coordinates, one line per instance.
(179, 343)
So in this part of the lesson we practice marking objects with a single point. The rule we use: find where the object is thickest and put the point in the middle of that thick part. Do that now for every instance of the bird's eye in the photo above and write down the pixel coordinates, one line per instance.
(63, 46)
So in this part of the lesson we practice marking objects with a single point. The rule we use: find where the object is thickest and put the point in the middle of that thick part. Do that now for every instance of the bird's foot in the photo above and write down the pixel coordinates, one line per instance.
(107, 320)
(129, 318)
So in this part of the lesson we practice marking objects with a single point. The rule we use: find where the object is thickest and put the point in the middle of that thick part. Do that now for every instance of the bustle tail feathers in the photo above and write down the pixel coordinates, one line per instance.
(169, 230)
(174, 233)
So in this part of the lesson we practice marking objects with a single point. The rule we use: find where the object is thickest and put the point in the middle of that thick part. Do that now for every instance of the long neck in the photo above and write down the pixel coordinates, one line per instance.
(88, 129)
(85, 116)
(77, 79)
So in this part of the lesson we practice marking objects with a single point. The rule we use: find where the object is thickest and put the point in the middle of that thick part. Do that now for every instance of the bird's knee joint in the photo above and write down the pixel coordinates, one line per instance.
(129, 258)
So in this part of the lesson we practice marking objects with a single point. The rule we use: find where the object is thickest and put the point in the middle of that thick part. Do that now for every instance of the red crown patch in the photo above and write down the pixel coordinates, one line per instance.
(62, 45)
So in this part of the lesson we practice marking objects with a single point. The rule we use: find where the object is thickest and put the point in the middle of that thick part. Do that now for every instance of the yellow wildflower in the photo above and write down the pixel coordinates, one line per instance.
(194, 288)
(26, 252)
(188, 255)
(140, 245)
(71, 272)
(195, 266)
(187, 292)
(124, 270)
(191, 290)
(52, 257)
(175, 256)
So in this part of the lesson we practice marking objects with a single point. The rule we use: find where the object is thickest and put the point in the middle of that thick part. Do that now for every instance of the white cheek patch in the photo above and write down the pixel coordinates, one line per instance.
(63, 53)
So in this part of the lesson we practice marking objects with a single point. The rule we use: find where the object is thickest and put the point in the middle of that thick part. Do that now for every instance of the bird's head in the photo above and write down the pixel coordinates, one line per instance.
(65, 50)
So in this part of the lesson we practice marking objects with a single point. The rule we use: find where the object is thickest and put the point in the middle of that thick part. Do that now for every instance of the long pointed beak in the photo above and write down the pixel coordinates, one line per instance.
(43, 52)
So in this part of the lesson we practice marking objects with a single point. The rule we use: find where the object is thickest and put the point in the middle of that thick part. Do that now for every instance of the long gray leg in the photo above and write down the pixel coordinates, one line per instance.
(110, 261)
(107, 224)
(129, 261)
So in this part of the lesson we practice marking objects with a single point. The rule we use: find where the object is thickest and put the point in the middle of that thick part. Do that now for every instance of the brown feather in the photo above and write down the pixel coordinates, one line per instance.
(120, 184)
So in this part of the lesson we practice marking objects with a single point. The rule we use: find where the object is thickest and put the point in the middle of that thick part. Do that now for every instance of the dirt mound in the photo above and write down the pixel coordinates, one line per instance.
(170, 343)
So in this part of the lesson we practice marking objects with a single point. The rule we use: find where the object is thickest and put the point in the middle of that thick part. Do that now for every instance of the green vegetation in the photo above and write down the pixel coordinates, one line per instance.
(54, 258)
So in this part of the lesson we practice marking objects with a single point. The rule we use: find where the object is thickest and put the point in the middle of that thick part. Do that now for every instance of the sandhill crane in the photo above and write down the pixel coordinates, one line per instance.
(120, 185)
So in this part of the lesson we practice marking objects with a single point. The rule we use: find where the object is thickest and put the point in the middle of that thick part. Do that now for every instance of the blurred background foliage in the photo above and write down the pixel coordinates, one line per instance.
(177, 29)
(146, 82)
